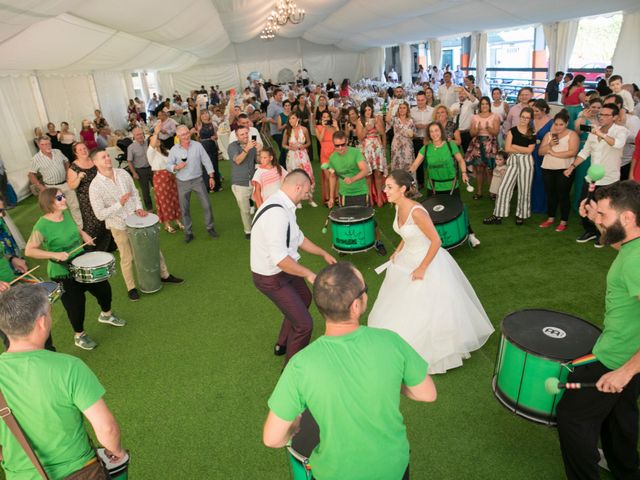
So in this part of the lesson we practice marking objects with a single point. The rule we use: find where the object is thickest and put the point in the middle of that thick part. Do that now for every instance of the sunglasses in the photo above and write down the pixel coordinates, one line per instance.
(60, 197)
(339, 145)
(362, 292)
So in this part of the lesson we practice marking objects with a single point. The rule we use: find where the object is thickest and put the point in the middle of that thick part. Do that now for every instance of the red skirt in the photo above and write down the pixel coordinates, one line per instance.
(166, 189)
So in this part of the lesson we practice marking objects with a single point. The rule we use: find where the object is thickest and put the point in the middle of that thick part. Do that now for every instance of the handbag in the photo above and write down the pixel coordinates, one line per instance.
(94, 470)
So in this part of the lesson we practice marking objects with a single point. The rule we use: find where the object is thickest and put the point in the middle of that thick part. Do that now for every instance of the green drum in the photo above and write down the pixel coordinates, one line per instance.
(144, 236)
(449, 216)
(536, 345)
(302, 444)
(353, 229)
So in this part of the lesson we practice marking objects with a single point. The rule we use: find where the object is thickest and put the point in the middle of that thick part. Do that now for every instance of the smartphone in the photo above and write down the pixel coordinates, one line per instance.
(554, 136)
(254, 138)
(586, 128)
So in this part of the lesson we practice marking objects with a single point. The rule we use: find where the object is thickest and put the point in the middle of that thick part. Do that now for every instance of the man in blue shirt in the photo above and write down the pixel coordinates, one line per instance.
(186, 160)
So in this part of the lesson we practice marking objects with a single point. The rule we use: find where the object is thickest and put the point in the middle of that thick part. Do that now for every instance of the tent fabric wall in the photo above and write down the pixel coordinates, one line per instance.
(69, 98)
(19, 114)
(560, 38)
(625, 57)
(435, 52)
(405, 63)
(478, 59)
(112, 96)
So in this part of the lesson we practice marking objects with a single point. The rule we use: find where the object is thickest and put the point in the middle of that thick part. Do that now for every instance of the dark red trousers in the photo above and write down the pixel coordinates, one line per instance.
(292, 296)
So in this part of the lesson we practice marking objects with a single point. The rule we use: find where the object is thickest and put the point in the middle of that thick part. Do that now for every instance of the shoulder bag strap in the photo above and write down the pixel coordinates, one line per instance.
(14, 427)
(259, 214)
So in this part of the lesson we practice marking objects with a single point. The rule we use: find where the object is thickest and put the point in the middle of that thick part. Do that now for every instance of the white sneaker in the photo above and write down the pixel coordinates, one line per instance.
(252, 210)
(312, 203)
(602, 463)
(473, 240)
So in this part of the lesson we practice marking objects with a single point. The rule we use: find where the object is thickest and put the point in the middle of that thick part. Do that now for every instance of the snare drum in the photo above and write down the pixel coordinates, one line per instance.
(93, 267)
(353, 229)
(302, 444)
(536, 345)
(449, 216)
(144, 236)
(55, 290)
(117, 470)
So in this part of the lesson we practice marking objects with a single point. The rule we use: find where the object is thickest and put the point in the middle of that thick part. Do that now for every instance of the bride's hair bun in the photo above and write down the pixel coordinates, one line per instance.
(404, 179)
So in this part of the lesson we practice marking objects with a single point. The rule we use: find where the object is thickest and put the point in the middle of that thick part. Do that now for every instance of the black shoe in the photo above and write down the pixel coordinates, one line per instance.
(492, 220)
(380, 248)
(188, 237)
(598, 243)
(586, 237)
(247, 236)
(172, 279)
(133, 294)
(212, 233)
(279, 350)
(519, 221)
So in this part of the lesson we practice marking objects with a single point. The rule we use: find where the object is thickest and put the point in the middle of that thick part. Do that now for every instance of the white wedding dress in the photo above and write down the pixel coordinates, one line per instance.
(439, 316)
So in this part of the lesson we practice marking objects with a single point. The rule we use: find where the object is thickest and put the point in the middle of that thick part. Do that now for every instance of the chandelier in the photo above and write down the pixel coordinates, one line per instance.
(269, 31)
(286, 11)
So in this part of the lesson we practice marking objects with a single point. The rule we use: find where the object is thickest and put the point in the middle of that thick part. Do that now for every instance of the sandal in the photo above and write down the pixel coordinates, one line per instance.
(170, 229)
(492, 220)
(477, 197)
(519, 221)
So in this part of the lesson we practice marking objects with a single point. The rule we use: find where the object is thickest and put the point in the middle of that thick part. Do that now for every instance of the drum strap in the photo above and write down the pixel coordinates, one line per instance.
(14, 427)
(442, 180)
(259, 214)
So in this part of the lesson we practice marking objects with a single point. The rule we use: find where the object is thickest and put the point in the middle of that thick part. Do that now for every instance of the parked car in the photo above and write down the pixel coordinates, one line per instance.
(591, 77)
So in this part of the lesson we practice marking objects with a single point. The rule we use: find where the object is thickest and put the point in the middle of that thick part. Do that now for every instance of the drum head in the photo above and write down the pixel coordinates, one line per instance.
(443, 208)
(549, 334)
(134, 221)
(351, 214)
(308, 437)
(92, 259)
(50, 286)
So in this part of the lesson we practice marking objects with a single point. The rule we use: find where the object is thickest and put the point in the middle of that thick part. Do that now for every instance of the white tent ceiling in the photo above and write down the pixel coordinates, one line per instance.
(87, 35)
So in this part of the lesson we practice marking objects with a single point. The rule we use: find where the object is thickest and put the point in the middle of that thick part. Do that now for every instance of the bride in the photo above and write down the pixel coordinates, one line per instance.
(425, 297)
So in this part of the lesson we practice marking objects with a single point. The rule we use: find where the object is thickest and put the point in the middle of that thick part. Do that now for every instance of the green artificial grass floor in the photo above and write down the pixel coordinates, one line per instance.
(188, 378)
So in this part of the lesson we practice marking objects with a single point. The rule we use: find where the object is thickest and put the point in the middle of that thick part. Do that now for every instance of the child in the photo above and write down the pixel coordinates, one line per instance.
(615, 84)
(498, 173)
(268, 177)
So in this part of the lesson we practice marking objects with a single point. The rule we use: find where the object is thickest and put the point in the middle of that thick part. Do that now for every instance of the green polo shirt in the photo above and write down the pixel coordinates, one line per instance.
(620, 339)
(346, 166)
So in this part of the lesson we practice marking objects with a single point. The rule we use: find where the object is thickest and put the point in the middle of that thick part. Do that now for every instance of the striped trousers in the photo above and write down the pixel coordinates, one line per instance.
(520, 171)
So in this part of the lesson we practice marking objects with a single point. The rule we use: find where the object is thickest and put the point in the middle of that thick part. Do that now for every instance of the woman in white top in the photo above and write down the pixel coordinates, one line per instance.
(164, 184)
(499, 106)
(559, 147)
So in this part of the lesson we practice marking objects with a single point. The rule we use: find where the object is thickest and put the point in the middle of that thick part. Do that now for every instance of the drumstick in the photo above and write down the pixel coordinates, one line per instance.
(83, 245)
(553, 385)
(24, 275)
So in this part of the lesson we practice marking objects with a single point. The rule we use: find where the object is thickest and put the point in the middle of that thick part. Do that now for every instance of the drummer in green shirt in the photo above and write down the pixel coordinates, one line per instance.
(348, 166)
(609, 411)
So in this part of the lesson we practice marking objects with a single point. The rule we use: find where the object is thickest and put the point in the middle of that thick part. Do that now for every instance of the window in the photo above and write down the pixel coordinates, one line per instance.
(595, 42)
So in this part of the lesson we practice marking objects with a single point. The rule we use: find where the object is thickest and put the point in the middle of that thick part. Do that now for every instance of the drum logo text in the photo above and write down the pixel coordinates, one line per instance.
(438, 208)
(554, 332)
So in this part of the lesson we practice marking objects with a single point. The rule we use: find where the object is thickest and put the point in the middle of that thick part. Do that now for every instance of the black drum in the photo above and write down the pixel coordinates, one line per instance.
(449, 216)
(536, 345)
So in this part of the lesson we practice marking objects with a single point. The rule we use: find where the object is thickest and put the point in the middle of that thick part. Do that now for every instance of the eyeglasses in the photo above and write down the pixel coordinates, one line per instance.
(60, 197)
(362, 292)
(525, 118)
(606, 115)
(339, 145)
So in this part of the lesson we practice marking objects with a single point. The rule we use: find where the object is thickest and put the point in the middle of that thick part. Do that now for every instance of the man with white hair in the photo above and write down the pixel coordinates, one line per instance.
(186, 160)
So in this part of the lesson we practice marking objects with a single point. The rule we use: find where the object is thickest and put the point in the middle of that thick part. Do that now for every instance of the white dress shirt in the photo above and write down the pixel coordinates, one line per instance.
(606, 155)
(466, 110)
(105, 194)
(447, 95)
(422, 117)
(269, 235)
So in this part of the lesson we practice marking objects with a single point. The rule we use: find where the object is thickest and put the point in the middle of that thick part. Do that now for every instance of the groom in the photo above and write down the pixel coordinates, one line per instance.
(349, 166)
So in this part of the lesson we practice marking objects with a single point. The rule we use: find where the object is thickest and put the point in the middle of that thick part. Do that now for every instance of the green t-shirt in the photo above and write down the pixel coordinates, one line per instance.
(347, 166)
(47, 393)
(620, 339)
(351, 385)
(440, 166)
(59, 237)
(6, 272)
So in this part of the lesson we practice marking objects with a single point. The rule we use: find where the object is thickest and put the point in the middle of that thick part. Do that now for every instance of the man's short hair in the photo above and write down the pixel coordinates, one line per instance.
(182, 127)
(613, 107)
(335, 289)
(623, 196)
(297, 176)
(421, 92)
(608, 67)
(471, 78)
(559, 74)
(96, 151)
(20, 307)
(617, 100)
(338, 135)
(613, 78)
(44, 138)
(243, 115)
(446, 73)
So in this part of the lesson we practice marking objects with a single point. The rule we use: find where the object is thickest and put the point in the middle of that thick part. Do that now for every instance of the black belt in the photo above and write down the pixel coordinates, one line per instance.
(61, 183)
(142, 168)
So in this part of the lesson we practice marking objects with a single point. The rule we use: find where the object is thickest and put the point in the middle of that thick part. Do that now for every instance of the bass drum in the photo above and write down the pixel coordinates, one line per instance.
(353, 229)
(449, 216)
